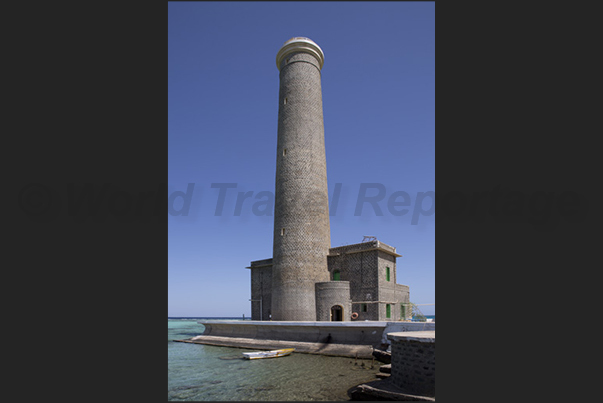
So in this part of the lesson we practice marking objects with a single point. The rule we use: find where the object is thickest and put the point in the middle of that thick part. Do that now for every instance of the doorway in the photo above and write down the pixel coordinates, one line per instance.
(336, 313)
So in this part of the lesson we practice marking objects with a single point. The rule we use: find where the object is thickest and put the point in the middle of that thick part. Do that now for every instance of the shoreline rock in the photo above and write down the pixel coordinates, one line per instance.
(387, 369)
(383, 356)
(383, 389)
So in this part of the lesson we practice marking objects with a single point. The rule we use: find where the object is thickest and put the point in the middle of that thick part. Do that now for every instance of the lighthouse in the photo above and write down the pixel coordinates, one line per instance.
(306, 279)
(301, 211)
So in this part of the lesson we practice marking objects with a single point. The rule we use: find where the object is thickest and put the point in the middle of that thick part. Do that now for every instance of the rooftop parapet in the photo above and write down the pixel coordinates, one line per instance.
(363, 247)
(260, 263)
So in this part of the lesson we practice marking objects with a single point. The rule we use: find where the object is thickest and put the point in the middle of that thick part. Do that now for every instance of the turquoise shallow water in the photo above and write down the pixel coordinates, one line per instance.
(201, 372)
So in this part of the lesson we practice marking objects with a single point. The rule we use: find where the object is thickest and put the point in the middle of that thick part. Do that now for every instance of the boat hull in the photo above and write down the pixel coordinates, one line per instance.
(268, 354)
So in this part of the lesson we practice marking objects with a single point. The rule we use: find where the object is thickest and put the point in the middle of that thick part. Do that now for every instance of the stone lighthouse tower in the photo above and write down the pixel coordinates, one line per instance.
(301, 215)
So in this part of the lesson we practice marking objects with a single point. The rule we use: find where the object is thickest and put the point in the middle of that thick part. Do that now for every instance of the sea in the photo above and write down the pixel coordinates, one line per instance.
(198, 372)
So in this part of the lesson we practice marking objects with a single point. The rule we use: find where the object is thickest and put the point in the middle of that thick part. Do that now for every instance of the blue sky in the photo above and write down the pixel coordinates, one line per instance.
(378, 85)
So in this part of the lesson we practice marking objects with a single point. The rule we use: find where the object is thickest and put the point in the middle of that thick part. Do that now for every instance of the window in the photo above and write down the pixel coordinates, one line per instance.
(284, 152)
(285, 101)
(387, 273)
(364, 308)
(336, 275)
(388, 311)
(402, 312)
(282, 231)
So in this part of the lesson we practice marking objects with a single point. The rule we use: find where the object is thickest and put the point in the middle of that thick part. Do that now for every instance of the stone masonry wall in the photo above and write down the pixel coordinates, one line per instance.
(301, 238)
(360, 269)
(413, 366)
(332, 293)
(364, 267)
(261, 289)
(387, 289)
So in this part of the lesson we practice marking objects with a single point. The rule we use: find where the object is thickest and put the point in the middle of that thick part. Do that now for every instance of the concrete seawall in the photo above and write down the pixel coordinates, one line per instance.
(332, 349)
(347, 339)
(366, 333)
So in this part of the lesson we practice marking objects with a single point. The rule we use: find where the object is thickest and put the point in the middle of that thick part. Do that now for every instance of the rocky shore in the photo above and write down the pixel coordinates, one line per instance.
(383, 389)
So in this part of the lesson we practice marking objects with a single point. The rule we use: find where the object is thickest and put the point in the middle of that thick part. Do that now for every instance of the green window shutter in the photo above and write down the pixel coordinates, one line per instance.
(336, 275)
(388, 311)
(402, 312)
(387, 273)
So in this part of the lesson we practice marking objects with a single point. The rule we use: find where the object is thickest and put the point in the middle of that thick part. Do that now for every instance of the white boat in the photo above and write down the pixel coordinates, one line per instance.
(268, 354)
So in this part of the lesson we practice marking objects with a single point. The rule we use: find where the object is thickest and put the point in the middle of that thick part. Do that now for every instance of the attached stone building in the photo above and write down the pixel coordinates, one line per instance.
(363, 281)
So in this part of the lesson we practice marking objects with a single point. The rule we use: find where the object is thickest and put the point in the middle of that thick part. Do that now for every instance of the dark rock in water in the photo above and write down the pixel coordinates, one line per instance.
(356, 393)
(383, 356)
(383, 389)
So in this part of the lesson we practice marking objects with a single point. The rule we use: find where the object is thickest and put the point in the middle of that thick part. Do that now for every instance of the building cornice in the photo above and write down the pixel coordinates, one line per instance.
(258, 266)
(300, 44)
(389, 252)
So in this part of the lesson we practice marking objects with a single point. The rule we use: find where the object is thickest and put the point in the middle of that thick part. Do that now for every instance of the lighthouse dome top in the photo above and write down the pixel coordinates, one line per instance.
(300, 44)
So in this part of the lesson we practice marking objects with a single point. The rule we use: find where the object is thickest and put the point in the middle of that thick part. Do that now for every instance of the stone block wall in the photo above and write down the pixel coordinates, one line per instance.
(360, 269)
(413, 363)
(301, 238)
(329, 294)
(364, 266)
(261, 289)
